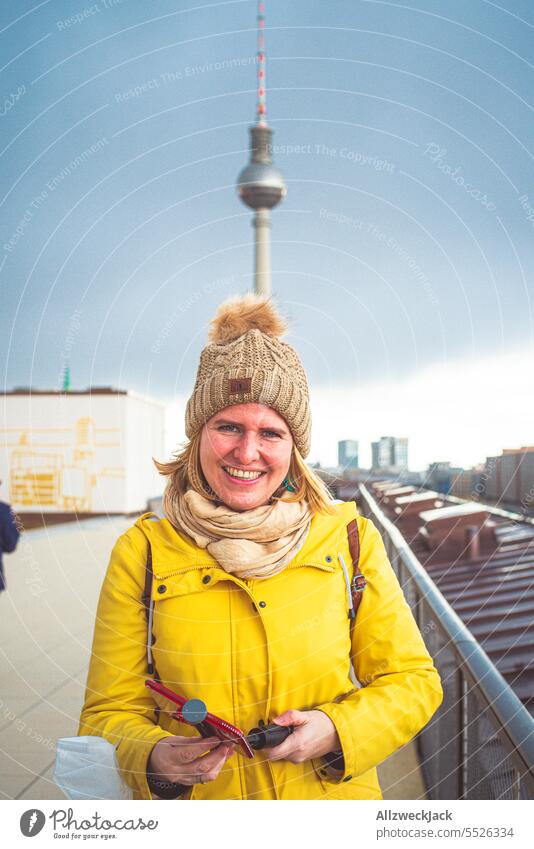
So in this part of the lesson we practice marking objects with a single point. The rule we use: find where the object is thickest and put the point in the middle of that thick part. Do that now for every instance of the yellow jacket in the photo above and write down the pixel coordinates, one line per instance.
(251, 649)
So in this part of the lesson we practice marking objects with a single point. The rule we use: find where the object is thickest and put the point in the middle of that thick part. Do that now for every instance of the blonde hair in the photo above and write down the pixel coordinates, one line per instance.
(185, 472)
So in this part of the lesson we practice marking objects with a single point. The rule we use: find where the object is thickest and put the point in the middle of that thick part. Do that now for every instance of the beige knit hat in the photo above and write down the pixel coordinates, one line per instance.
(246, 361)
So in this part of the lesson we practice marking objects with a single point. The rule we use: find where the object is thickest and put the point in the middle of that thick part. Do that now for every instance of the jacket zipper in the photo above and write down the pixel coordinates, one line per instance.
(182, 571)
(321, 566)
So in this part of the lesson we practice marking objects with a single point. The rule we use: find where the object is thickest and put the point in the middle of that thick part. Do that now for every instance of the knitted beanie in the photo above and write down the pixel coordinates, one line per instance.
(246, 361)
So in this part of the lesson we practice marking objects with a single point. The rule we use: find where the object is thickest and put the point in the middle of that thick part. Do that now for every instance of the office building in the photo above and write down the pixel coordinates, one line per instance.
(390, 453)
(347, 454)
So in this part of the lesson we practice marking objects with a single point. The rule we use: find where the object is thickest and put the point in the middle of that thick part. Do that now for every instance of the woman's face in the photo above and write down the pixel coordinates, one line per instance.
(245, 452)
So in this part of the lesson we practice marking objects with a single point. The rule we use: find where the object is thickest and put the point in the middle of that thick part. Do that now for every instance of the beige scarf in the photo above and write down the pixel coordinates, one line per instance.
(255, 543)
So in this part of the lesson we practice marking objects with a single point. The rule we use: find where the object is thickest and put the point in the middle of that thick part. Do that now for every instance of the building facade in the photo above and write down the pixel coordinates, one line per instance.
(390, 453)
(81, 451)
(509, 478)
(347, 454)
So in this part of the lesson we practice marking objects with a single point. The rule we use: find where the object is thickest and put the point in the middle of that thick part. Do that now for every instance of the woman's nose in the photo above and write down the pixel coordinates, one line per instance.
(246, 451)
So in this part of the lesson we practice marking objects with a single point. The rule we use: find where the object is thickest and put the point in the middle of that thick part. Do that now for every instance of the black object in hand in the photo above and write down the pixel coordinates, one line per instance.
(268, 736)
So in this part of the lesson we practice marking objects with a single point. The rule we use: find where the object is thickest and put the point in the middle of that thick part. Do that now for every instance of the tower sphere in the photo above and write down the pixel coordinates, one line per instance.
(261, 185)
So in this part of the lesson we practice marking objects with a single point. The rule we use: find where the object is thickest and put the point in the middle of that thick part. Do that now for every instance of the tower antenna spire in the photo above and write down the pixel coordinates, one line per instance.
(260, 185)
(261, 109)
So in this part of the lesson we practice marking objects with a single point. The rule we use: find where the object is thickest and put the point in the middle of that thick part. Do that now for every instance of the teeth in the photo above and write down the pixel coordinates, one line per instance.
(238, 473)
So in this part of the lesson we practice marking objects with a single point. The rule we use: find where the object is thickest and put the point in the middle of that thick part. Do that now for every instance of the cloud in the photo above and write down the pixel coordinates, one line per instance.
(461, 411)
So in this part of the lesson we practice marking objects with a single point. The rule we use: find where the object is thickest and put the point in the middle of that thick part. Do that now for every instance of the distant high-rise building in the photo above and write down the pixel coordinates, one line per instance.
(374, 455)
(400, 452)
(347, 454)
(390, 452)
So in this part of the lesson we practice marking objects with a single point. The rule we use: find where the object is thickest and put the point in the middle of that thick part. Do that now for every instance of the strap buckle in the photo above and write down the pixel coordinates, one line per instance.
(358, 583)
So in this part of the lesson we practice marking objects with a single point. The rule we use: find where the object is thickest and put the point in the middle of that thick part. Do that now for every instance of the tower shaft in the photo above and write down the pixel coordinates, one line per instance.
(262, 252)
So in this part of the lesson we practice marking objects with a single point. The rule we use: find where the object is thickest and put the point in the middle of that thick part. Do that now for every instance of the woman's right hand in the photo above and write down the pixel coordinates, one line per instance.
(183, 760)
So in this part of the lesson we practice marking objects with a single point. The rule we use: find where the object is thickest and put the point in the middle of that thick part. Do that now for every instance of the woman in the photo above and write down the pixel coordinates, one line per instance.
(251, 601)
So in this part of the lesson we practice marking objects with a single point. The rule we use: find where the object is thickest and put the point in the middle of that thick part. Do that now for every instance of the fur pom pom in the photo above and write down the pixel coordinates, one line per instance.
(248, 312)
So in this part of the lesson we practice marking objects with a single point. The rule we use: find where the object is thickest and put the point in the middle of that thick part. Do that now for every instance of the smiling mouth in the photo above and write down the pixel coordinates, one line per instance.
(241, 475)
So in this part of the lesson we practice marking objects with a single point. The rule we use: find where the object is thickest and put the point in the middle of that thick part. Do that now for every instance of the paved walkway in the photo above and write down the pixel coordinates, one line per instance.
(46, 626)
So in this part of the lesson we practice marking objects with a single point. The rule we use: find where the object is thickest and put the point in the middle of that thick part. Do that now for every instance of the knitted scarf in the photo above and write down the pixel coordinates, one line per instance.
(255, 543)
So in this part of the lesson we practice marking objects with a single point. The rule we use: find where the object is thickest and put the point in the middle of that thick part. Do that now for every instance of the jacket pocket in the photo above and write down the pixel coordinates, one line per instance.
(322, 774)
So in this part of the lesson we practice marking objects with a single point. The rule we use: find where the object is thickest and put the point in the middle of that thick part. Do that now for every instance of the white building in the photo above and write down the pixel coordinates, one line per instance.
(80, 451)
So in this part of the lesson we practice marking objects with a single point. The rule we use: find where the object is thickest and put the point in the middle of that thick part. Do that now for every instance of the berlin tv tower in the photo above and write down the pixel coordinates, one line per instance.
(260, 185)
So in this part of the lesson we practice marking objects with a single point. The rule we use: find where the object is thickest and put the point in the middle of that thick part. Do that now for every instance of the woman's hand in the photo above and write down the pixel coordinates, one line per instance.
(183, 760)
(314, 735)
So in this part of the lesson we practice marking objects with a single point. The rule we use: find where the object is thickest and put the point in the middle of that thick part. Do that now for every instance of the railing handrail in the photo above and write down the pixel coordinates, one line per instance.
(508, 710)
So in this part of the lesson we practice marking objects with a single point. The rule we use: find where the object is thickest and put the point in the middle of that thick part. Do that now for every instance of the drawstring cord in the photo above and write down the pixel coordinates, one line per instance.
(351, 613)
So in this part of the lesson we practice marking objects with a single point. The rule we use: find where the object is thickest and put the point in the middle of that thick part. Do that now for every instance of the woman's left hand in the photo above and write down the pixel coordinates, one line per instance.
(314, 735)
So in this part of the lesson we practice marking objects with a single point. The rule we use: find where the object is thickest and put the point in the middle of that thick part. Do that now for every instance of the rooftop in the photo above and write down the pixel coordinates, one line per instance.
(489, 585)
(91, 390)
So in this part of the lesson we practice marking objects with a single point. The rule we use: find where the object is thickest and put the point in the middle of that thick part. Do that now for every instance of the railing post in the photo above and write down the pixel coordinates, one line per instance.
(463, 731)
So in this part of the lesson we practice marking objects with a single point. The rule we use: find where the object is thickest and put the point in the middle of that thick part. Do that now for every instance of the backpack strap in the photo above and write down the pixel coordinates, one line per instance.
(358, 582)
(149, 608)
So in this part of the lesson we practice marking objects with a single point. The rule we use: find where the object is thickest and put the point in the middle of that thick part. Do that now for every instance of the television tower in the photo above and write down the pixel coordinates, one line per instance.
(260, 185)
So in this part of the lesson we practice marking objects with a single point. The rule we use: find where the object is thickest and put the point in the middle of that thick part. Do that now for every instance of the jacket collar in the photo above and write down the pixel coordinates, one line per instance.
(173, 551)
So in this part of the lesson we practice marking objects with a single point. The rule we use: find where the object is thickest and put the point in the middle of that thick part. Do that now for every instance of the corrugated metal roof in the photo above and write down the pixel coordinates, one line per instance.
(493, 593)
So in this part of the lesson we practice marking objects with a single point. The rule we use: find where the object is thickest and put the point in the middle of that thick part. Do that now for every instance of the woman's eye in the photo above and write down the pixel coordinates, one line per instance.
(230, 428)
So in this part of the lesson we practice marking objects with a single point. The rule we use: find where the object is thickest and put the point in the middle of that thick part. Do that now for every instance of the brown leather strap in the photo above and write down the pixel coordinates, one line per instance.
(358, 580)
(354, 543)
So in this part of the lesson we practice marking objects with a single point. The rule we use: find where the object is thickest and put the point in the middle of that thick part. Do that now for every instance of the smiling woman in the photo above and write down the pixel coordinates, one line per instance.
(252, 604)
(245, 453)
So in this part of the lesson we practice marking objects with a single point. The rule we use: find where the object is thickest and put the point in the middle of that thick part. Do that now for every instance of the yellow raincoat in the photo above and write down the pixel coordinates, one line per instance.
(251, 649)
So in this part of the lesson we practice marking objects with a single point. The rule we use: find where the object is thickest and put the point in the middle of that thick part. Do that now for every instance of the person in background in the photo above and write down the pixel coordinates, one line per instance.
(9, 536)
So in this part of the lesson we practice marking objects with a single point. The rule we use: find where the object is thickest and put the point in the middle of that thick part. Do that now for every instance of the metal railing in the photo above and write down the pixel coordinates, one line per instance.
(480, 743)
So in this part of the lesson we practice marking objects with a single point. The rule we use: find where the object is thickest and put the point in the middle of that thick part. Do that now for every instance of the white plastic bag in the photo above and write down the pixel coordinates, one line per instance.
(87, 768)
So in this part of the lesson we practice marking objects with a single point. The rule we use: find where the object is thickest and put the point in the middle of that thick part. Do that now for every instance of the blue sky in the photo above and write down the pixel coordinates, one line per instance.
(402, 253)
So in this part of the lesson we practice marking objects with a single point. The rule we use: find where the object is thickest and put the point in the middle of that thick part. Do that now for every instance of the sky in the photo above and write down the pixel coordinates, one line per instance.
(402, 253)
